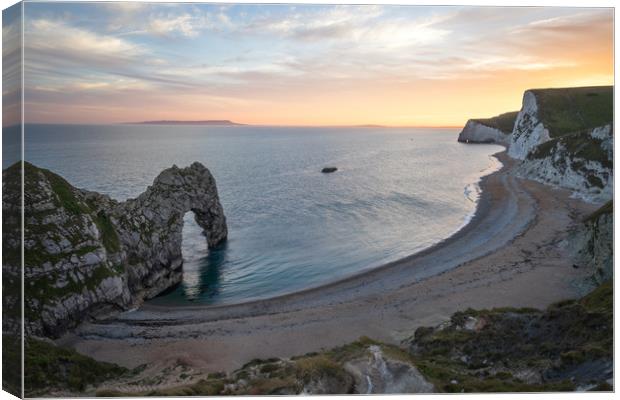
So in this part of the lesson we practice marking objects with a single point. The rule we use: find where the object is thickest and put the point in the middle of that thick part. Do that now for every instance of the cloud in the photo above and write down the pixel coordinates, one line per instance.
(357, 25)
(219, 57)
(167, 20)
(183, 24)
(60, 41)
(11, 68)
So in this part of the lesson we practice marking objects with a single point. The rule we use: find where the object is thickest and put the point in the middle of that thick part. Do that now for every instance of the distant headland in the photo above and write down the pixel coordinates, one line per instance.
(218, 122)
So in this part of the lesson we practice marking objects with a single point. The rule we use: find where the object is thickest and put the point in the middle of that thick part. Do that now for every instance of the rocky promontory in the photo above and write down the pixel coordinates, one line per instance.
(552, 113)
(489, 130)
(87, 255)
(563, 137)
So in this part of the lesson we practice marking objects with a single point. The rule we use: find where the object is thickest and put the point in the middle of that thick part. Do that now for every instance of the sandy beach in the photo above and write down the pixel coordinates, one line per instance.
(512, 253)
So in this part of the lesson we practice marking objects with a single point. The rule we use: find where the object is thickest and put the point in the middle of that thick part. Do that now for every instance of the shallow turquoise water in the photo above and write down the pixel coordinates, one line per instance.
(396, 191)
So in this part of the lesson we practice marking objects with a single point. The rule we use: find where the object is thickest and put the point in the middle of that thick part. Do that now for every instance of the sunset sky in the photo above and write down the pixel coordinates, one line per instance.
(303, 65)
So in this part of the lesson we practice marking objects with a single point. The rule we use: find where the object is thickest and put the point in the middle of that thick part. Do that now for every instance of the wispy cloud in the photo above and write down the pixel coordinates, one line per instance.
(263, 60)
(61, 41)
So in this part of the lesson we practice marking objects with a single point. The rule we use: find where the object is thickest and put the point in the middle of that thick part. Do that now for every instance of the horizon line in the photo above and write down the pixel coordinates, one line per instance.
(237, 124)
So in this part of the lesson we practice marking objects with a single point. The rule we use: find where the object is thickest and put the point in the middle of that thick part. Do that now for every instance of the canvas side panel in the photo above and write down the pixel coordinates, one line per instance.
(12, 271)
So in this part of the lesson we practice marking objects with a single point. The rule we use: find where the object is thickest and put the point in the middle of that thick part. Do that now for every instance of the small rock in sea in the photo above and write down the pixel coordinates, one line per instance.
(575, 266)
(327, 170)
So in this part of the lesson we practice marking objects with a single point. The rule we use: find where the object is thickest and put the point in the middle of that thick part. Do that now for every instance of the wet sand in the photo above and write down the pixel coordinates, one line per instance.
(512, 253)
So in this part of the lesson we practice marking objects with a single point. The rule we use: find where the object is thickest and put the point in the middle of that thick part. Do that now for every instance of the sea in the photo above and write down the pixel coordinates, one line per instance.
(396, 192)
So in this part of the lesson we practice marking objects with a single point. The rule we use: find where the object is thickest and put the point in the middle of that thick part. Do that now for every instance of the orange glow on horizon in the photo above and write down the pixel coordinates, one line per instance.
(421, 73)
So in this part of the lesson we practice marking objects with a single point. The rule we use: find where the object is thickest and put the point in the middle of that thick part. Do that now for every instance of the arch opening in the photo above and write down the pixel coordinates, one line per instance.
(201, 265)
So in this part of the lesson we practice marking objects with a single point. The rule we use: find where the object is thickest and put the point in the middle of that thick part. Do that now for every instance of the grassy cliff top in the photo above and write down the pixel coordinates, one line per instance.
(504, 122)
(568, 110)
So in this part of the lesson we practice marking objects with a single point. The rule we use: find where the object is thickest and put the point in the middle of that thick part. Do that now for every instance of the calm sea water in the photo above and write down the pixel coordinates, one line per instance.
(397, 191)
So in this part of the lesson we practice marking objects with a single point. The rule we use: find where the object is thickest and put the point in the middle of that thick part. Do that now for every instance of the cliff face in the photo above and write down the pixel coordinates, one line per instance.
(489, 130)
(564, 138)
(551, 113)
(592, 242)
(529, 131)
(581, 162)
(87, 255)
(475, 132)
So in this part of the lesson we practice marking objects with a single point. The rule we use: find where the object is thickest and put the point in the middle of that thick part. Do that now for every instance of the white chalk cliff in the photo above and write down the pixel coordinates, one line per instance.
(529, 131)
(476, 132)
(581, 162)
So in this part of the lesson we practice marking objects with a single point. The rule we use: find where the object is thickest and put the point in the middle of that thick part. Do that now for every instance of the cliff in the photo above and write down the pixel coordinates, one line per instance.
(489, 130)
(87, 255)
(592, 242)
(551, 113)
(581, 162)
(564, 138)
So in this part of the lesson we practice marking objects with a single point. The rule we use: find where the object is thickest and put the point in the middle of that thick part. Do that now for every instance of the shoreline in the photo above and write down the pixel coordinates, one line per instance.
(501, 157)
(511, 253)
(496, 166)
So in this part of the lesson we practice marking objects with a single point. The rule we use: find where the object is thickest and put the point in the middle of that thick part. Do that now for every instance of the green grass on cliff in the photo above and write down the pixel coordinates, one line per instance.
(569, 110)
(567, 339)
(504, 122)
(51, 367)
(66, 197)
(109, 237)
(579, 145)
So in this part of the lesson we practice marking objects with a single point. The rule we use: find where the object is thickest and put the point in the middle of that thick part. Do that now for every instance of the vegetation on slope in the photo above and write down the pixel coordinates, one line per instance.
(48, 367)
(504, 122)
(563, 348)
(577, 146)
(569, 110)
(566, 346)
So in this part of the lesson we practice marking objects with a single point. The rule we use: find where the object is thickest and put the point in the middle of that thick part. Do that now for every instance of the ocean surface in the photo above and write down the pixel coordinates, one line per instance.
(396, 192)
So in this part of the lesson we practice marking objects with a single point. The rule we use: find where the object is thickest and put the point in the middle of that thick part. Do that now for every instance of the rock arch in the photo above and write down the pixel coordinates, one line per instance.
(88, 255)
(151, 225)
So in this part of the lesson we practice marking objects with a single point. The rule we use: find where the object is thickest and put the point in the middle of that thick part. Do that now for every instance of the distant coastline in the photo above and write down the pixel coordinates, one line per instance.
(213, 122)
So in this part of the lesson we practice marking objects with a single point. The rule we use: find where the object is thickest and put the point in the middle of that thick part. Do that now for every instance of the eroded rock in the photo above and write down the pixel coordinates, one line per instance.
(88, 255)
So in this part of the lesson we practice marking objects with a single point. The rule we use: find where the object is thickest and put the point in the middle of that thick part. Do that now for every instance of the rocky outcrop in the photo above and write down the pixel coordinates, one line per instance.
(581, 162)
(529, 131)
(592, 243)
(475, 132)
(87, 255)
(150, 226)
(566, 347)
(378, 373)
(490, 130)
(362, 367)
(564, 138)
(551, 113)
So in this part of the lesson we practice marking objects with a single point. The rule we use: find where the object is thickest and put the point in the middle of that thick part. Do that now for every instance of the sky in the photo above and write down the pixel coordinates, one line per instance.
(302, 65)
